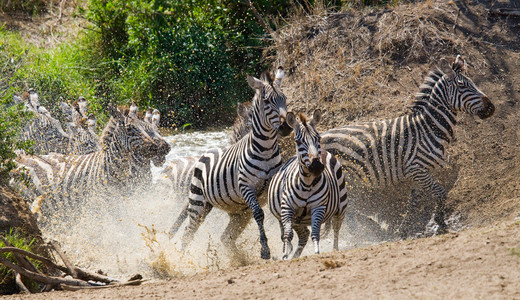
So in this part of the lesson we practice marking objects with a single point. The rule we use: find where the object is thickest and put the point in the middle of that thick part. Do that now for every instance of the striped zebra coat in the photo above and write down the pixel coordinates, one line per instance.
(67, 180)
(177, 174)
(309, 189)
(231, 179)
(383, 153)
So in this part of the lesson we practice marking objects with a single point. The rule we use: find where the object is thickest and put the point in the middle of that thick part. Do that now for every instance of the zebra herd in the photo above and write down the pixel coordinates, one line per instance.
(86, 164)
(325, 182)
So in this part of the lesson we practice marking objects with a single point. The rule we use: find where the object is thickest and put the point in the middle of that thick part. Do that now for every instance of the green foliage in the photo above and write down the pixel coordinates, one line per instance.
(52, 72)
(189, 57)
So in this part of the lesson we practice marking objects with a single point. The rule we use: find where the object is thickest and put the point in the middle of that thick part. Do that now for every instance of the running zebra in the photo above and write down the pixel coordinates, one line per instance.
(66, 180)
(309, 189)
(383, 153)
(231, 179)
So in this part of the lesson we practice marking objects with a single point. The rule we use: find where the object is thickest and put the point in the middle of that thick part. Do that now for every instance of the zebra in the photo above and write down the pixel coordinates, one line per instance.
(309, 189)
(383, 153)
(46, 131)
(61, 180)
(231, 179)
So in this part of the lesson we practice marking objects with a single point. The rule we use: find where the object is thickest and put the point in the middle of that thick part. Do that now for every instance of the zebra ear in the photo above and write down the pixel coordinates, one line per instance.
(459, 65)
(242, 110)
(254, 83)
(291, 120)
(316, 117)
(447, 69)
(279, 76)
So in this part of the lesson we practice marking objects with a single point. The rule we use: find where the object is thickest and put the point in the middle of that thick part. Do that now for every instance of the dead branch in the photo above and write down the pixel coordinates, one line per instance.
(44, 260)
(21, 259)
(505, 11)
(260, 19)
(19, 283)
(40, 277)
(71, 268)
(78, 278)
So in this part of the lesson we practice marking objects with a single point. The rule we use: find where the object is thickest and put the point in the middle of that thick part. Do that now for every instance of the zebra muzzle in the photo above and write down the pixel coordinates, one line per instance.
(488, 110)
(316, 167)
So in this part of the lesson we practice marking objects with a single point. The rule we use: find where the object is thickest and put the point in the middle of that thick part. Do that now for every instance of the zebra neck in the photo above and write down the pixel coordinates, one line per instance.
(433, 112)
(306, 180)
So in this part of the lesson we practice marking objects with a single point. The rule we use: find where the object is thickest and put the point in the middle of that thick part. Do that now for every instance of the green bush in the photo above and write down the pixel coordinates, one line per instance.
(188, 57)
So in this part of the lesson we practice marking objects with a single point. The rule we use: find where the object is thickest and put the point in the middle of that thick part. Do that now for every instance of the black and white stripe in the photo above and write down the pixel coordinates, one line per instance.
(383, 153)
(231, 179)
(309, 189)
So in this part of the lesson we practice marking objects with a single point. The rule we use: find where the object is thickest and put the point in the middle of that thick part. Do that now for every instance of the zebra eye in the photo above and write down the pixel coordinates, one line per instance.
(460, 82)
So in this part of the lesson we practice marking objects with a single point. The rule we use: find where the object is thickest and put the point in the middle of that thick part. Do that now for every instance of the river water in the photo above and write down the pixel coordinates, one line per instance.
(131, 237)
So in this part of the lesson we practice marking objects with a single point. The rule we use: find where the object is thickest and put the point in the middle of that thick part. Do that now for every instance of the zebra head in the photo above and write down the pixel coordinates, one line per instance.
(82, 106)
(66, 109)
(465, 96)
(156, 151)
(34, 100)
(307, 140)
(270, 101)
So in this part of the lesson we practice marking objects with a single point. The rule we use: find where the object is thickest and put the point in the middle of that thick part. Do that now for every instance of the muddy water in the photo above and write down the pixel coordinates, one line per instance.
(130, 236)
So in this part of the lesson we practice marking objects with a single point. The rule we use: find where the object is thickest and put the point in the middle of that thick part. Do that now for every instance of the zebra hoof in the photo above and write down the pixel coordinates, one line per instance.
(442, 230)
(265, 253)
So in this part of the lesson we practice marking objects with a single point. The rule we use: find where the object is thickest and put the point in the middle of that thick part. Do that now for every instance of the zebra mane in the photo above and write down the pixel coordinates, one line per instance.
(266, 77)
(108, 132)
(426, 89)
(303, 119)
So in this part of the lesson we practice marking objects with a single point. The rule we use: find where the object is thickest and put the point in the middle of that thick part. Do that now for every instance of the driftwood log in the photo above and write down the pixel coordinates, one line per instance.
(68, 277)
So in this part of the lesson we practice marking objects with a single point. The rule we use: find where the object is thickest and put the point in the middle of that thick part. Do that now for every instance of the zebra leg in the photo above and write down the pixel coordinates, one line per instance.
(237, 224)
(197, 216)
(249, 196)
(427, 183)
(180, 219)
(303, 236)
(336, 223)
(411, 208)
(287, 215)
(316, 219)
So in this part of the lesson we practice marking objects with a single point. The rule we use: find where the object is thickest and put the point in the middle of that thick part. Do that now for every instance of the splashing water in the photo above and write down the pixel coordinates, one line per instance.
(131, 236)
